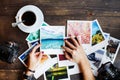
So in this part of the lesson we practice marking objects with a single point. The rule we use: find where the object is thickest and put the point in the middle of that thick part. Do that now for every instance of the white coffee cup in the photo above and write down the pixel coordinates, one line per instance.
(29, 19)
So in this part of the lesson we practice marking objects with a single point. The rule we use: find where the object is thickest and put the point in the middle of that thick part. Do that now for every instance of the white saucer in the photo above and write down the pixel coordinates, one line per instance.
(39, 18)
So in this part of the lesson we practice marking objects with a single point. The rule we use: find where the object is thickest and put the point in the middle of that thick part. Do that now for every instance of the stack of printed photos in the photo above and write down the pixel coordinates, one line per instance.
(99, 46)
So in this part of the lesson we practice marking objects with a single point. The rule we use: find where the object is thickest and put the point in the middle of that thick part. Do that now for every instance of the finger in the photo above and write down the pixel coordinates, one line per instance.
(35, 48)
(67, 49)
(67, 56)
(37, 53)
(74, 41)
(70, 45)
(40, 56)
(79, 40)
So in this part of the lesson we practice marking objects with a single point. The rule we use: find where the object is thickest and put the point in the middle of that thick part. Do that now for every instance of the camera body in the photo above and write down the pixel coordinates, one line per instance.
(9, 51)
(108, 72)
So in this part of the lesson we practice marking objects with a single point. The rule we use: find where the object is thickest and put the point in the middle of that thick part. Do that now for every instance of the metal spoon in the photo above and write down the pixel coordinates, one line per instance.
(16, 23)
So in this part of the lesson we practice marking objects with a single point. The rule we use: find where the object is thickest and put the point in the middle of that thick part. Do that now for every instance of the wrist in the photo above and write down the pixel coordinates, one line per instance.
(27, 77)
(31, 67)
(29, 71)
(83, 60)
(84, 63)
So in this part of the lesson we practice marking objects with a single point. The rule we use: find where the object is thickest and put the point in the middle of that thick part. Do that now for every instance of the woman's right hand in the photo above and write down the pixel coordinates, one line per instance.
(75, 49)
(78, 56)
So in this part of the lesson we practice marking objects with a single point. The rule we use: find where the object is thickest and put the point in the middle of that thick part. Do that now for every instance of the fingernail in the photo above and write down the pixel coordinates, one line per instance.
(42, 52)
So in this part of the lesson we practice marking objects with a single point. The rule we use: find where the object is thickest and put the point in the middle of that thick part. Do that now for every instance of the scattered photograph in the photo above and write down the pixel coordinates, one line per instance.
(24, 56)
(95, 58)
(57, 73)
(97, 33)
(52, 38)
(112, 48)
(80, 28)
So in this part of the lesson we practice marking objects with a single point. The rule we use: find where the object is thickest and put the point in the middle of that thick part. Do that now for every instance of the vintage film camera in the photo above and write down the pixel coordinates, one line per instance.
(9, 51)
(108, 72)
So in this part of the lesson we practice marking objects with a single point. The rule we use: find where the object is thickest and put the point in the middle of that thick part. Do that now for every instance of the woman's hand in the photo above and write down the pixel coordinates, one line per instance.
(34, 59)
(75, 49)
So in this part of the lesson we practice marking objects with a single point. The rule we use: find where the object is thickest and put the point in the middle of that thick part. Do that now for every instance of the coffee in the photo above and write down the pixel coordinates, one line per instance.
(28, 18)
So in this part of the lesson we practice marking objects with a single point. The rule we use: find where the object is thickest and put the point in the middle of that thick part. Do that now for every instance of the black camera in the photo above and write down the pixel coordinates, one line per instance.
(108, 72)
(9, 51)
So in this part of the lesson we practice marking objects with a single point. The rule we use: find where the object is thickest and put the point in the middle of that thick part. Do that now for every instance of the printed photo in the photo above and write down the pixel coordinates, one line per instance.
(80, 28)
(24, 56)
(112, 48)
(97, 33)
(57, 73)
(34, 36)
(96, 58)
(52, 38)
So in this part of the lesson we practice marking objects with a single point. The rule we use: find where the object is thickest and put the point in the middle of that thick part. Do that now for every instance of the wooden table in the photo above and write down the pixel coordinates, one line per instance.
(56, 12)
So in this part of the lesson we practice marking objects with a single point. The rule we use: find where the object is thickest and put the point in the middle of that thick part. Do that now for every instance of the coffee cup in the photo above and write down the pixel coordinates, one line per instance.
(29, 19)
